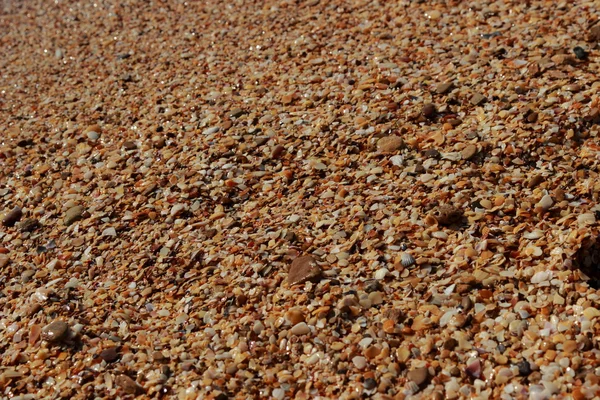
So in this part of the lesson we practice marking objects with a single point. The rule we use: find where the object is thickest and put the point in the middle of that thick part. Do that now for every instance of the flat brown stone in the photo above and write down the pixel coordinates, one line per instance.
(127, 384)
(12, 217)
(419, 376)
(55, 331)
(477, 99)
(469, 151)
(443, 88)
(303, 269)
(390, 144)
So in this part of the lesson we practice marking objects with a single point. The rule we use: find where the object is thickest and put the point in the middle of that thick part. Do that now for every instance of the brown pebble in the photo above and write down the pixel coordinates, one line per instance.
(295, 316)
(29, 225)
(73, 214)
(532, 117)
(12, 217)
(569, 346)
(389, 144)
(277, 151)
(428, 111)
(586, 344)
(55, 331)
(4, 260)
(594, 34)
(129, 145)
(34, 334)
(160, 143)
(477, 99)
(521, 89)
(437, 396)
(109, 354)
(577, 394)
(450, 344)
(535, 181)
(127, 384)
(447, 214)
(468, 152)
(303, 269)
(466, 303)
(389, 326)
(420, 376)
(371, 352)
(443, 88)
(236, 113)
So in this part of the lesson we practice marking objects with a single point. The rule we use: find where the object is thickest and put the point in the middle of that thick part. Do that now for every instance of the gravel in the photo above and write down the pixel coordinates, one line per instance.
(299, 199)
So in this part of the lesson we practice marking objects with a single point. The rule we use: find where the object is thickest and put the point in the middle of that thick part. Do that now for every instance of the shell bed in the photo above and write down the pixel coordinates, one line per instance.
(299, 199)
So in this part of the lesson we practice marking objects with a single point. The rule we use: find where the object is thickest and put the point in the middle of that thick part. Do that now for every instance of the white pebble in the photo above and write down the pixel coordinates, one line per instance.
(109, 232)
(541, 276)
(381, 273)
(92, 135)
(359, 362)
(177, 209)
(546, 202)
(300, 329)
(278, 393)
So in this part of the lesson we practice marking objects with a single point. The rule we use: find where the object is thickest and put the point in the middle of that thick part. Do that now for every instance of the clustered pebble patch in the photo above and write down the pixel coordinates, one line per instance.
(292, 199)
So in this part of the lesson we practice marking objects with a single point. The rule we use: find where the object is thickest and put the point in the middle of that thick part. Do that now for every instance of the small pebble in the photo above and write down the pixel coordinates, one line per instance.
(447, 214)
(4, 260)
(524, 368)
(580, 53)
(109, 354)
(419, 376)
(594, 34)
(303, 269)
(370, 384)
(443, 88)
(277, 151)
(55, 331)
(73, 214)
(129, 145)
(93, 135)
(12, 217)
(468, 152)
(29, 225)
(109, 232)
(128, 385)
(546, 202)
(295, 316)
(390, 144)
(359, 362)
(477, 99)
(450, 344)
(428, 110)
(300, 329)
(236, 113)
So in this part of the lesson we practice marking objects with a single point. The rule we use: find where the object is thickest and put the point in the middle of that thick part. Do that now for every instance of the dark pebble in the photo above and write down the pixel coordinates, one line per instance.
(29, 225)
(372, 285)
(450, 344)
(109, 354)
(12, 217)
(580, 53)
(129, 145)
(524, 368)
(431, 153)
(370, 384)
(428, 111)
(236, 112)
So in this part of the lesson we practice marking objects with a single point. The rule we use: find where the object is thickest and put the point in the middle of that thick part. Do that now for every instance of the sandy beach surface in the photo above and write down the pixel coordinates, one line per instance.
(299, 199)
